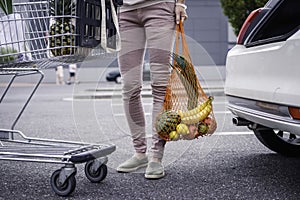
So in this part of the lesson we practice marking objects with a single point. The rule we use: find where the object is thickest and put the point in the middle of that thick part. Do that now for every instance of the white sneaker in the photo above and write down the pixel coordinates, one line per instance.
(133, 164)
(155, 170)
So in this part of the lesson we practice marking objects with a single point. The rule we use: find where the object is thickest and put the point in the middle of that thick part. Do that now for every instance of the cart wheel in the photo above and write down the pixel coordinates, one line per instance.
(62, 189)
(95, 176)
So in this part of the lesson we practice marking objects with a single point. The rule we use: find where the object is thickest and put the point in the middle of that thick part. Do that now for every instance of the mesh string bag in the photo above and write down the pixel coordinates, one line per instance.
(187, 112)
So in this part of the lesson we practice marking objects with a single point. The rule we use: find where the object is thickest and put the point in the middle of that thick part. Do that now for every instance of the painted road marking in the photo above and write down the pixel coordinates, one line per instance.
(234, 133)
(147, 113)
(222, 134)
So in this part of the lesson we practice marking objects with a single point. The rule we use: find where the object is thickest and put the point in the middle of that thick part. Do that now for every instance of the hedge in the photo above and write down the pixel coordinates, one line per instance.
(238, 10)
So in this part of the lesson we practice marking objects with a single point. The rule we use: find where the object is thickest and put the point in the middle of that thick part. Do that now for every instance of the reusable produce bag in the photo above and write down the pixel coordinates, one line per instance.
(187, 112)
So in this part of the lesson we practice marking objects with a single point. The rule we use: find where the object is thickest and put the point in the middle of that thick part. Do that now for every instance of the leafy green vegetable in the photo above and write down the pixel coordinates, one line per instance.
(7, 54)
(6, 6)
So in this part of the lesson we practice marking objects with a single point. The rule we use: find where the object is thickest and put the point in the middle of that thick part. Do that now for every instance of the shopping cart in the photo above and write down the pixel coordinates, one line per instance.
(39, 35)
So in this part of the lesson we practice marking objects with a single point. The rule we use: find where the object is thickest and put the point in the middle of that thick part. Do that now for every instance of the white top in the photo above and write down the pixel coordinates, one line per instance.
(72, 68)
(136, 4)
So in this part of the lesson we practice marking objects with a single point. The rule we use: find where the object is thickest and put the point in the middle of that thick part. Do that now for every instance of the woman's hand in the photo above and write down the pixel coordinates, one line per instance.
(180, 11)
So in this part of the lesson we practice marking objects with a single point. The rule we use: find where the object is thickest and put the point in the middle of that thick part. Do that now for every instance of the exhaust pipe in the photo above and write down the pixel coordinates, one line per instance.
(240, 121)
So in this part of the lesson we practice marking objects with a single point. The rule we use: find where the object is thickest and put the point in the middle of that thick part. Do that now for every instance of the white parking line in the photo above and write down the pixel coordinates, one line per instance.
(114, 102)
(222, 112)
(222, 134)
(122, 114)
(150, 104)
(234, 133)
(147, 114)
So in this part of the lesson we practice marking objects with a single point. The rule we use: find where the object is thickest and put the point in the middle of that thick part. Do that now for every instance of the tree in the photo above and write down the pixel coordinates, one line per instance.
(238, 10)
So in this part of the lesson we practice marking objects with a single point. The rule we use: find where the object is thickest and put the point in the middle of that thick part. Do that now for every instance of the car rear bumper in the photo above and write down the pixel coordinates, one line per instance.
(269, 115)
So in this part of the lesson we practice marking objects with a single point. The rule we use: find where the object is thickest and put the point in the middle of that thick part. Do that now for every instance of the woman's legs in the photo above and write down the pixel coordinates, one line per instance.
(160, 25)
(154, 24)
(131, 59)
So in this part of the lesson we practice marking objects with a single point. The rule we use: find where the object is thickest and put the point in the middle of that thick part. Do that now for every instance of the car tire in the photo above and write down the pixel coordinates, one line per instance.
(278, 142)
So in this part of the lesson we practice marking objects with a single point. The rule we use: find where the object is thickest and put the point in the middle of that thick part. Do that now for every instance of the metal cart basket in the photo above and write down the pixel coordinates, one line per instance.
(34, 36)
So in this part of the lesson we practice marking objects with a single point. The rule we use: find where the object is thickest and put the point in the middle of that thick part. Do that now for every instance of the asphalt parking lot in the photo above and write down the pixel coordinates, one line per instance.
(232, 164)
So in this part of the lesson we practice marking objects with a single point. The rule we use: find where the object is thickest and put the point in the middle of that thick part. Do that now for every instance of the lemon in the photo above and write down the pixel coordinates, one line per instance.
(174, 135)
(182, 129)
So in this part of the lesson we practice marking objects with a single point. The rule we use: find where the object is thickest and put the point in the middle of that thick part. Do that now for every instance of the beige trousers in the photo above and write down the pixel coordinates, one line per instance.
(150, 28)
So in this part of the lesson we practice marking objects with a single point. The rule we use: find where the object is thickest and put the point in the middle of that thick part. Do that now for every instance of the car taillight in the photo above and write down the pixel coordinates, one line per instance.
(246, 25)
(294, 112)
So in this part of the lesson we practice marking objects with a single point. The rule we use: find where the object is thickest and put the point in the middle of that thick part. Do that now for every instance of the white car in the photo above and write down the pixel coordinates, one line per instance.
(263, 76)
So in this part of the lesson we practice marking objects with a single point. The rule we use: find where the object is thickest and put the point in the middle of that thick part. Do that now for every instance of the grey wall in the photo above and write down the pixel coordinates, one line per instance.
(208, 26)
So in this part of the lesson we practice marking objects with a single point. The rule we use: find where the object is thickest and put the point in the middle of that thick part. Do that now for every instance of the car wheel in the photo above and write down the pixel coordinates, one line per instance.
(281, 142)
(118, 79)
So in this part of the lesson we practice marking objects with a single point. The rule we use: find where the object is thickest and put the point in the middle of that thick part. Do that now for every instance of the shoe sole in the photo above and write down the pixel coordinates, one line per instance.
(154, 176)
(126, 170)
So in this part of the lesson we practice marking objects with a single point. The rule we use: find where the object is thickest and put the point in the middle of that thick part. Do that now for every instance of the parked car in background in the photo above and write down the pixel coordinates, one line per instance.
(115, 75)
(263, 76)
